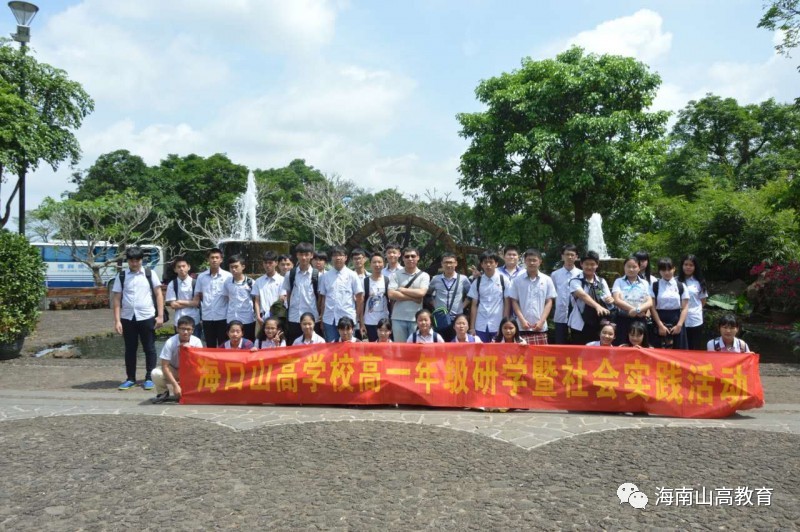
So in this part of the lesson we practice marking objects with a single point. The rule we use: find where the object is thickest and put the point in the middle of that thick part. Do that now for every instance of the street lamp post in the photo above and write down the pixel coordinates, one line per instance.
(24, 13)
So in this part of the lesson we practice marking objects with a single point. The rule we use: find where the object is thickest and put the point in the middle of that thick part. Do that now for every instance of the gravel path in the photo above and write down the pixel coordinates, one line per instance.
(100, 472)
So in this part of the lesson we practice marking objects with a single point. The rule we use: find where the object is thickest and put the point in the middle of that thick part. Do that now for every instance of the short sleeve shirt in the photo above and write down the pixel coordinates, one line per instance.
(302, 294)
(532, 294)
(634, 293)
(561, 278)
(407, 310)
(490, 301)
(669, 294)
(172, 348)
(267, 290)
(214, 302)
(376, 301)
(450, 292)
(185, 293)
(694, 317)
(137, 295)
(339, 288)
(240, 302)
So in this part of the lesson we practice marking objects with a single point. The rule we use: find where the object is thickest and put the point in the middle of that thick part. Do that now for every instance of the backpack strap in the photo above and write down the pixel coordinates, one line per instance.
(414, 338)
(366, 292)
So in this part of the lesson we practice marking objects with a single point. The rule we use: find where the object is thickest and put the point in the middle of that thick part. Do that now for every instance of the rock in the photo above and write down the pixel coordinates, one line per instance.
(734, 288)
(67, 352)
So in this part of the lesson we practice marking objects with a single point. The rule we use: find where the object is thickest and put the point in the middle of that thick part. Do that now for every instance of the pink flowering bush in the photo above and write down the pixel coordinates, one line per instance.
(779, 285)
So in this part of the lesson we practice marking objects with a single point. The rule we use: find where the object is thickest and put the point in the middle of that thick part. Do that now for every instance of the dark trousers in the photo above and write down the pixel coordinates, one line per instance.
(248, 331)
(588, 334)
(678, 341)
(133, 332)
(293, 332)
(695, 338)
(216, 332)
(447, 333)
(562, 333)
(372, 333)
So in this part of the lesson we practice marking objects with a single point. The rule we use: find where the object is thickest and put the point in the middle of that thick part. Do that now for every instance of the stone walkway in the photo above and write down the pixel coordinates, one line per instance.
(80, 455)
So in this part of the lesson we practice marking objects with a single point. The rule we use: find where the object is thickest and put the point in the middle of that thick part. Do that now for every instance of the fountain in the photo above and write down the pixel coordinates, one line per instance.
(246, 241)
(597, 243)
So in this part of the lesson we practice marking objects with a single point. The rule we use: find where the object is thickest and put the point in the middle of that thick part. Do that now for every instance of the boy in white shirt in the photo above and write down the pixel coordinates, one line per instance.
(170, 360)
(240, 300)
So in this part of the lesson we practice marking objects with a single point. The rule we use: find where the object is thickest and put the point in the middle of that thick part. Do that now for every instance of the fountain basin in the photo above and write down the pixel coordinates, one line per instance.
(252, 251)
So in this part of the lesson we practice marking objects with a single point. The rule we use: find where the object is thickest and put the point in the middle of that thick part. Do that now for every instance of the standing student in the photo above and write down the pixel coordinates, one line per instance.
(266, 290)
(240, 299)
(285, 264)
(531, 296)
(341, 294)
(644, 266)
(210, 295)
(300, 290)
(561, 279)
(511, 268)
(670, 307)
(727, 342)
(591, 299)
(392, 260)
(487, 293)
(449, 290)
(692, 276)
(376, 299)
(359, 259)
(407, 287)
(632, 295)
(170, 360)
(320, 262)
(138, 307)
(180, 295)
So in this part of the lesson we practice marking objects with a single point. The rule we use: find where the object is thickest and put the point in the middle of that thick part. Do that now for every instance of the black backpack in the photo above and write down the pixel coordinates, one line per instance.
(314, 282)
(148, 273)
(655, 291)
(414, 337)
(366, 291)
(478, 287)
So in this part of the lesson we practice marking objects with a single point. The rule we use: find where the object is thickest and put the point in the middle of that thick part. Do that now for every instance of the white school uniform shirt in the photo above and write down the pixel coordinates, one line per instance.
(303, 298)
(137, 296)
(339, 288)
(561, 278)
(315, 339)
(739, 346)
(376, 301)
(532, 294)
(431, 338)
(240, 302)
(669, 295)
(214, 302)
(575, 320)
(266, 343)
(172, 347)
(694, 317)
(184, 294)
(267, 289)
(518, 271)
(387, 272)
(490, 301)
(634, 293)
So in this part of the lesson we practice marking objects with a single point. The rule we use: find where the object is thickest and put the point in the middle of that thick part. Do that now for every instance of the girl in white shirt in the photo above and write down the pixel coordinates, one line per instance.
(727, 342)
(424, 333)
(670, 309)
(608, 331)
(461, 326)
(273, 336)
(309, 336)
(632, 297)
(345, 328)
(692, 276)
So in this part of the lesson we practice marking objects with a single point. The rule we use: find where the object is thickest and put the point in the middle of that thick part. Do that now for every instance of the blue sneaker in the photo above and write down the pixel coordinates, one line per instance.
(148, 385)
(127, 385)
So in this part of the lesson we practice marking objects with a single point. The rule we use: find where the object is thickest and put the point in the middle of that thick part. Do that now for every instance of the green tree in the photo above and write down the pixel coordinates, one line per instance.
(717, 142)
(42, 130)
(116, 171)
(783, 15)
(98, 230)
(561, 138)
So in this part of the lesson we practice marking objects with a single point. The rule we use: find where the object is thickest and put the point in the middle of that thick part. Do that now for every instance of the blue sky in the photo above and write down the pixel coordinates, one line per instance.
(365, 89)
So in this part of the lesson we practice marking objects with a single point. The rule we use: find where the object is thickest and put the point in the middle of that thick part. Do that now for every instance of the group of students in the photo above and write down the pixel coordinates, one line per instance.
(312, 302)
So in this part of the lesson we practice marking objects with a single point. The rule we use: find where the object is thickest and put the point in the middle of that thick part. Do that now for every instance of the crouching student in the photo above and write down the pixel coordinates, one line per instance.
(236, 339)
(345, 328)
(727, 341)
(170, 359)
(273, 336)
(424, 333)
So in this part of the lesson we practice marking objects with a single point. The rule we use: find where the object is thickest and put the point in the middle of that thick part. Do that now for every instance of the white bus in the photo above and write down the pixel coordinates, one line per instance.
(64, 271)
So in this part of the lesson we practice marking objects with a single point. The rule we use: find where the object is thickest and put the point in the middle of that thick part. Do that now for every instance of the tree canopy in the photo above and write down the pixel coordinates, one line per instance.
(561, 138)
(40, 109)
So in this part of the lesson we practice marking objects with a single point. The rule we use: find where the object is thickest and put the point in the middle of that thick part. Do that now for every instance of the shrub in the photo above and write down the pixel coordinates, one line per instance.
(21, 286)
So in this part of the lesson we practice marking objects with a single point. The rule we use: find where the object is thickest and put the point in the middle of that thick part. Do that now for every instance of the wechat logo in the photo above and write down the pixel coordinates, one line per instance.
(630, 493)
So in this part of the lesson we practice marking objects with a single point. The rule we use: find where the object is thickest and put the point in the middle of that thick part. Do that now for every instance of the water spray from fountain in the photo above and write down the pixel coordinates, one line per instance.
(596, 241)
(246, 207)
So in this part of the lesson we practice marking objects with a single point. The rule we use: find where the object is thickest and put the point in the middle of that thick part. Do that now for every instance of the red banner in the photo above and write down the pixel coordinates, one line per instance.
(674, 383)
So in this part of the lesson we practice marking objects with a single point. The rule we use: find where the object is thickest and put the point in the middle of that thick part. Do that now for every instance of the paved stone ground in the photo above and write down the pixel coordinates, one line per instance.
(80, 455)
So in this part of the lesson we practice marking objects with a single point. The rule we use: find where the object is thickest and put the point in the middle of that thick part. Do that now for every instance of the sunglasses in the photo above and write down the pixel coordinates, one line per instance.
(409, 256)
